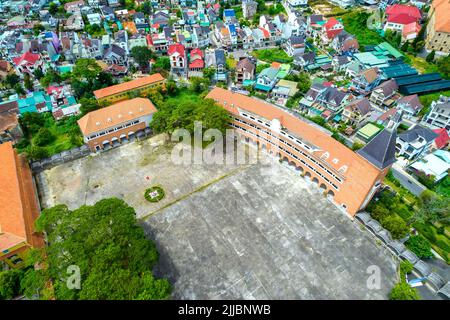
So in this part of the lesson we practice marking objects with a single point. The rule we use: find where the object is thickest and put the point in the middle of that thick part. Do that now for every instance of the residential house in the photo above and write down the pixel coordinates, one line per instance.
(353, 69)
(245, 70)
(344, 43)
(74, 23)
(115, 55)
(74, 6)
(121, 40)
(20, 208)
(140, 21)
(331, 29)
(439, 114)
(295, 46)
(344, 3)
(200, 37)
(340, 63)
(304, 60)
(249, 8)
(311, 97)
(366, 81)
(332, 99)
(410, 105)
(357, 111)
(436, 165)
(123, 91)
(137, 40)
(267, 79)
(229, 16)
(403, 19)
(381, 95)
(196, 63)
(217, 60)
(108, 13)
(94, 18)
(109, 126)
(159, 19)
(442, 140)
(27, 63)
(438, 27)
(113, 3)
(413, 142)
(178, 60)
(283, 91)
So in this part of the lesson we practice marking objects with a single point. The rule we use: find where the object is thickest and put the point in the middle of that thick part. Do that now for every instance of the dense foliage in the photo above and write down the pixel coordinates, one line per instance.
(114, 257)
(402, 291)
(420, 246)
(182, 113)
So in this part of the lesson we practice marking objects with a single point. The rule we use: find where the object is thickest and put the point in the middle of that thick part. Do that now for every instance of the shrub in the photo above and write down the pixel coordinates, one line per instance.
(148, 194)
(380, 212)
(10, 283)
(420, 246)
(43, 137)
(396, 226)
(402, 291)
(36, 152)
(405, 267)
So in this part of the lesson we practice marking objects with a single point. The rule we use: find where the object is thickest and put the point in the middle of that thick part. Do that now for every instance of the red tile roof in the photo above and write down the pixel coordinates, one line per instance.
(411, 28)
(176, 48)
(442, 140)
(401, 18)
(331, 23)
(397, 9)
(27, 57)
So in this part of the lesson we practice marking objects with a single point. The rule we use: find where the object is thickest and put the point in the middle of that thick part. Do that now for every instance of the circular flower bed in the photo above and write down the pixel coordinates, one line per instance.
(154, 194)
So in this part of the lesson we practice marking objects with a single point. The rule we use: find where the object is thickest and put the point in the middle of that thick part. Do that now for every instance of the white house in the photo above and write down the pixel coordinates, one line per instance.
(413, 142)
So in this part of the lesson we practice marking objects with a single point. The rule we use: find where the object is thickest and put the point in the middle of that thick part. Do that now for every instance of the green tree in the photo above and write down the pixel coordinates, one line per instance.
(12, 79)
(420, 246)
(36, 153)
(402, 291)
(162, 63)
(396, 226)
(43, 137)
(443, 65)
(53, 8)
(38, 74)
(27, 82)
(19, 89)
(52, 76)
(433, 209)
(86, 69)
(430, 56)
(10, 283)
(198, 84)
(109, 247)
(88, 105)
(405, 268)
(142, 55)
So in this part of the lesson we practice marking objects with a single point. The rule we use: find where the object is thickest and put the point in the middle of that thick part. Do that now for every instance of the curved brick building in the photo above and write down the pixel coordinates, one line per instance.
(349, 178)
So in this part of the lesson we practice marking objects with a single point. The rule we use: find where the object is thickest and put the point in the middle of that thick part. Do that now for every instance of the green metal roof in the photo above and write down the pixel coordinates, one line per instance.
(368, 131)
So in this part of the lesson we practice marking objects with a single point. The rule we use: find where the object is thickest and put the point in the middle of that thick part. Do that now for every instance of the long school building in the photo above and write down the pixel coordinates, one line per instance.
(130, 89)
(349, 178)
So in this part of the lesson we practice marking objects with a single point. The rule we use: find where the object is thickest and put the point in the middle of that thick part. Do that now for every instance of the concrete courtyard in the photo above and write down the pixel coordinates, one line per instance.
(231, 231)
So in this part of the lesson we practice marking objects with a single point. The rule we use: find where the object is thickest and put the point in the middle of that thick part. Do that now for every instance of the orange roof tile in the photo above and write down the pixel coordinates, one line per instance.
(19, 207)
(115, 114)
(127, 86)
(357, 165)
(442, 16)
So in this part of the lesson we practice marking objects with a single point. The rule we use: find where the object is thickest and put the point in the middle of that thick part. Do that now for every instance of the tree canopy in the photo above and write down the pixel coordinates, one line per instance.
(86, 69)
(142, 55)
(175, 114)
(106, 244)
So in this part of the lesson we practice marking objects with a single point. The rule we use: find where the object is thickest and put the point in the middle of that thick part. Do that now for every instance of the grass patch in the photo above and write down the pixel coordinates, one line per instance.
(439, 241)
(355, 22)
(421, 64)
(272, 55)
(154, 194)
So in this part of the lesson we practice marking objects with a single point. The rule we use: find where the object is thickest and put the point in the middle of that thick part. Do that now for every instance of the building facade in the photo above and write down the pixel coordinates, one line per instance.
(438, 27)
(106, 127)
(19, 208)
(348, 178)
(124, 91)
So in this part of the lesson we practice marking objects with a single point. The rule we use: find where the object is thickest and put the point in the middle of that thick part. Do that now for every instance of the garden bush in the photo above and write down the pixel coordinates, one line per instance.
(396, 226)
(420, 246)
(148, 194)
(402, 291)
